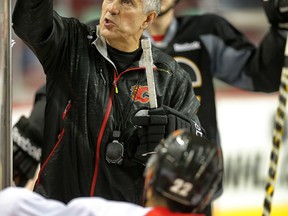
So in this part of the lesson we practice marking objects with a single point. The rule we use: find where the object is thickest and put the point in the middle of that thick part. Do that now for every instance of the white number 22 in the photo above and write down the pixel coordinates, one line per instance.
(181, 187)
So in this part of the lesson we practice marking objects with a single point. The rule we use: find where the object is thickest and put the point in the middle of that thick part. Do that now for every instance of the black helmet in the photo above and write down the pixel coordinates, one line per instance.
(188, 169)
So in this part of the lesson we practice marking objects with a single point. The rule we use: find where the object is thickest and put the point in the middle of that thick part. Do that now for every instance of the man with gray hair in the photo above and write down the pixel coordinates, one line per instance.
(94, 144)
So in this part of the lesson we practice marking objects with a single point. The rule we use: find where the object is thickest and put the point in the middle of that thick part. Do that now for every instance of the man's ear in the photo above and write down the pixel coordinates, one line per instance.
(150, 18)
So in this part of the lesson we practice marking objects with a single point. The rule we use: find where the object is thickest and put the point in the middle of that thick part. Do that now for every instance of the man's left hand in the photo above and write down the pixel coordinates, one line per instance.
(154, 125)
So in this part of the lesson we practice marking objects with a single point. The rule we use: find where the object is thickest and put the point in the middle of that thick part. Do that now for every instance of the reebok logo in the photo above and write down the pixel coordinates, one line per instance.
(187, 46)
(26, 145)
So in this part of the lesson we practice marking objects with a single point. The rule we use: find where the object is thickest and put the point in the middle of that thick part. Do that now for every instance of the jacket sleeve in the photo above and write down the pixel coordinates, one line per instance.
(238, 62)
(184, 99)
(21, 201)
(266, 62)
(43, 31)
(24, 202)
(181, 95)
(33, 20)
(33, 23)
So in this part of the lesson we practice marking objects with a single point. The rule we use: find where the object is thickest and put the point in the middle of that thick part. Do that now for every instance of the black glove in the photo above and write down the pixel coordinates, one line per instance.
(154, 125)
(26, 150)
(277, 13)
(27, 141)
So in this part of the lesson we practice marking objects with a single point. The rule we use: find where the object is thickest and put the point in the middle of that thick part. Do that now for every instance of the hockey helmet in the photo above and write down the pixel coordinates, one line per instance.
(188, 169)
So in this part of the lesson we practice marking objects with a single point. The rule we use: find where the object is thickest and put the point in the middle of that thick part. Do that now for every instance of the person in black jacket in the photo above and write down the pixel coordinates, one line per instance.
(99, 127)
(238, 61)
(207, 46)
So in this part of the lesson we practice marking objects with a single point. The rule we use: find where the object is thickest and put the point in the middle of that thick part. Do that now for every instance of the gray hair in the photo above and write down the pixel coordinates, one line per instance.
(151, 5)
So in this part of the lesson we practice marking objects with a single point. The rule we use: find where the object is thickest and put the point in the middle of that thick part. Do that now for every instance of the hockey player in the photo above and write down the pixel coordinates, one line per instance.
(207, 47)
(180, 179)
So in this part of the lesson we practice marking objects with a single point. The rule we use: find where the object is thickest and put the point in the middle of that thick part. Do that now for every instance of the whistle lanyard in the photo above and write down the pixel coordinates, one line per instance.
(124, 115)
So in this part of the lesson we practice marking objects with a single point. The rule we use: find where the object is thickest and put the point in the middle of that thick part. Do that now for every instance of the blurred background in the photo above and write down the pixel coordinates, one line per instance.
(245, 119)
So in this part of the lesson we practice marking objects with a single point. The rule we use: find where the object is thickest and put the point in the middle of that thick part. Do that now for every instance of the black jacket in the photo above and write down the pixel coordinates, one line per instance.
(81, 112)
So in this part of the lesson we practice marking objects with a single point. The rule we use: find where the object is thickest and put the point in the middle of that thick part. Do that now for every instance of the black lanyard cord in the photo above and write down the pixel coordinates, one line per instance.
(123, 123)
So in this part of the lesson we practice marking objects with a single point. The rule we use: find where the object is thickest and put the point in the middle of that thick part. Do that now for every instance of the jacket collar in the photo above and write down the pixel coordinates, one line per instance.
(101, 46)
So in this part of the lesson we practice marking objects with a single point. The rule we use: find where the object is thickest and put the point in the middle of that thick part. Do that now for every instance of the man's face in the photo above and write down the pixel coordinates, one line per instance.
(122, 20)
(165, 4)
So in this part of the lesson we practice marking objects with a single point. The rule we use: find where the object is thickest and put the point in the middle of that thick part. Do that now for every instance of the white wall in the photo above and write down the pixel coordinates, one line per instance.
(246, 123)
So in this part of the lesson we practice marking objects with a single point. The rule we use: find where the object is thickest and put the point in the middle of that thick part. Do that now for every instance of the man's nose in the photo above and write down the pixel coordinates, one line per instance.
(114, 7)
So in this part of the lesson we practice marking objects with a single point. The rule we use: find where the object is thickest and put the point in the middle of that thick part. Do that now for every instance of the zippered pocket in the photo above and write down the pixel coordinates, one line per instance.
(66, 110)
(60, 136)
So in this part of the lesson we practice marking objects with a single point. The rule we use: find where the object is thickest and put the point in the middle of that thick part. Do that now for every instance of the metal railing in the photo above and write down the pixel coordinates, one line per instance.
(5, 95)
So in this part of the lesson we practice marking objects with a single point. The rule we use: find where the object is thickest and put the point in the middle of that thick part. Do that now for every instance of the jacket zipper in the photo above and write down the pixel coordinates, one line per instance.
(103, 126)
(67, 108)
(102, 129)
(102, 77)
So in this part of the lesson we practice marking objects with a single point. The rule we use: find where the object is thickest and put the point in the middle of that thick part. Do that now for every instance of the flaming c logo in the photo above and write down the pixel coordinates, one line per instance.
(140, 94)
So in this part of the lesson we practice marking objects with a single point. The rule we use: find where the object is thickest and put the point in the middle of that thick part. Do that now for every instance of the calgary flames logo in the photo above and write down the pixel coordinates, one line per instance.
(140, 94)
